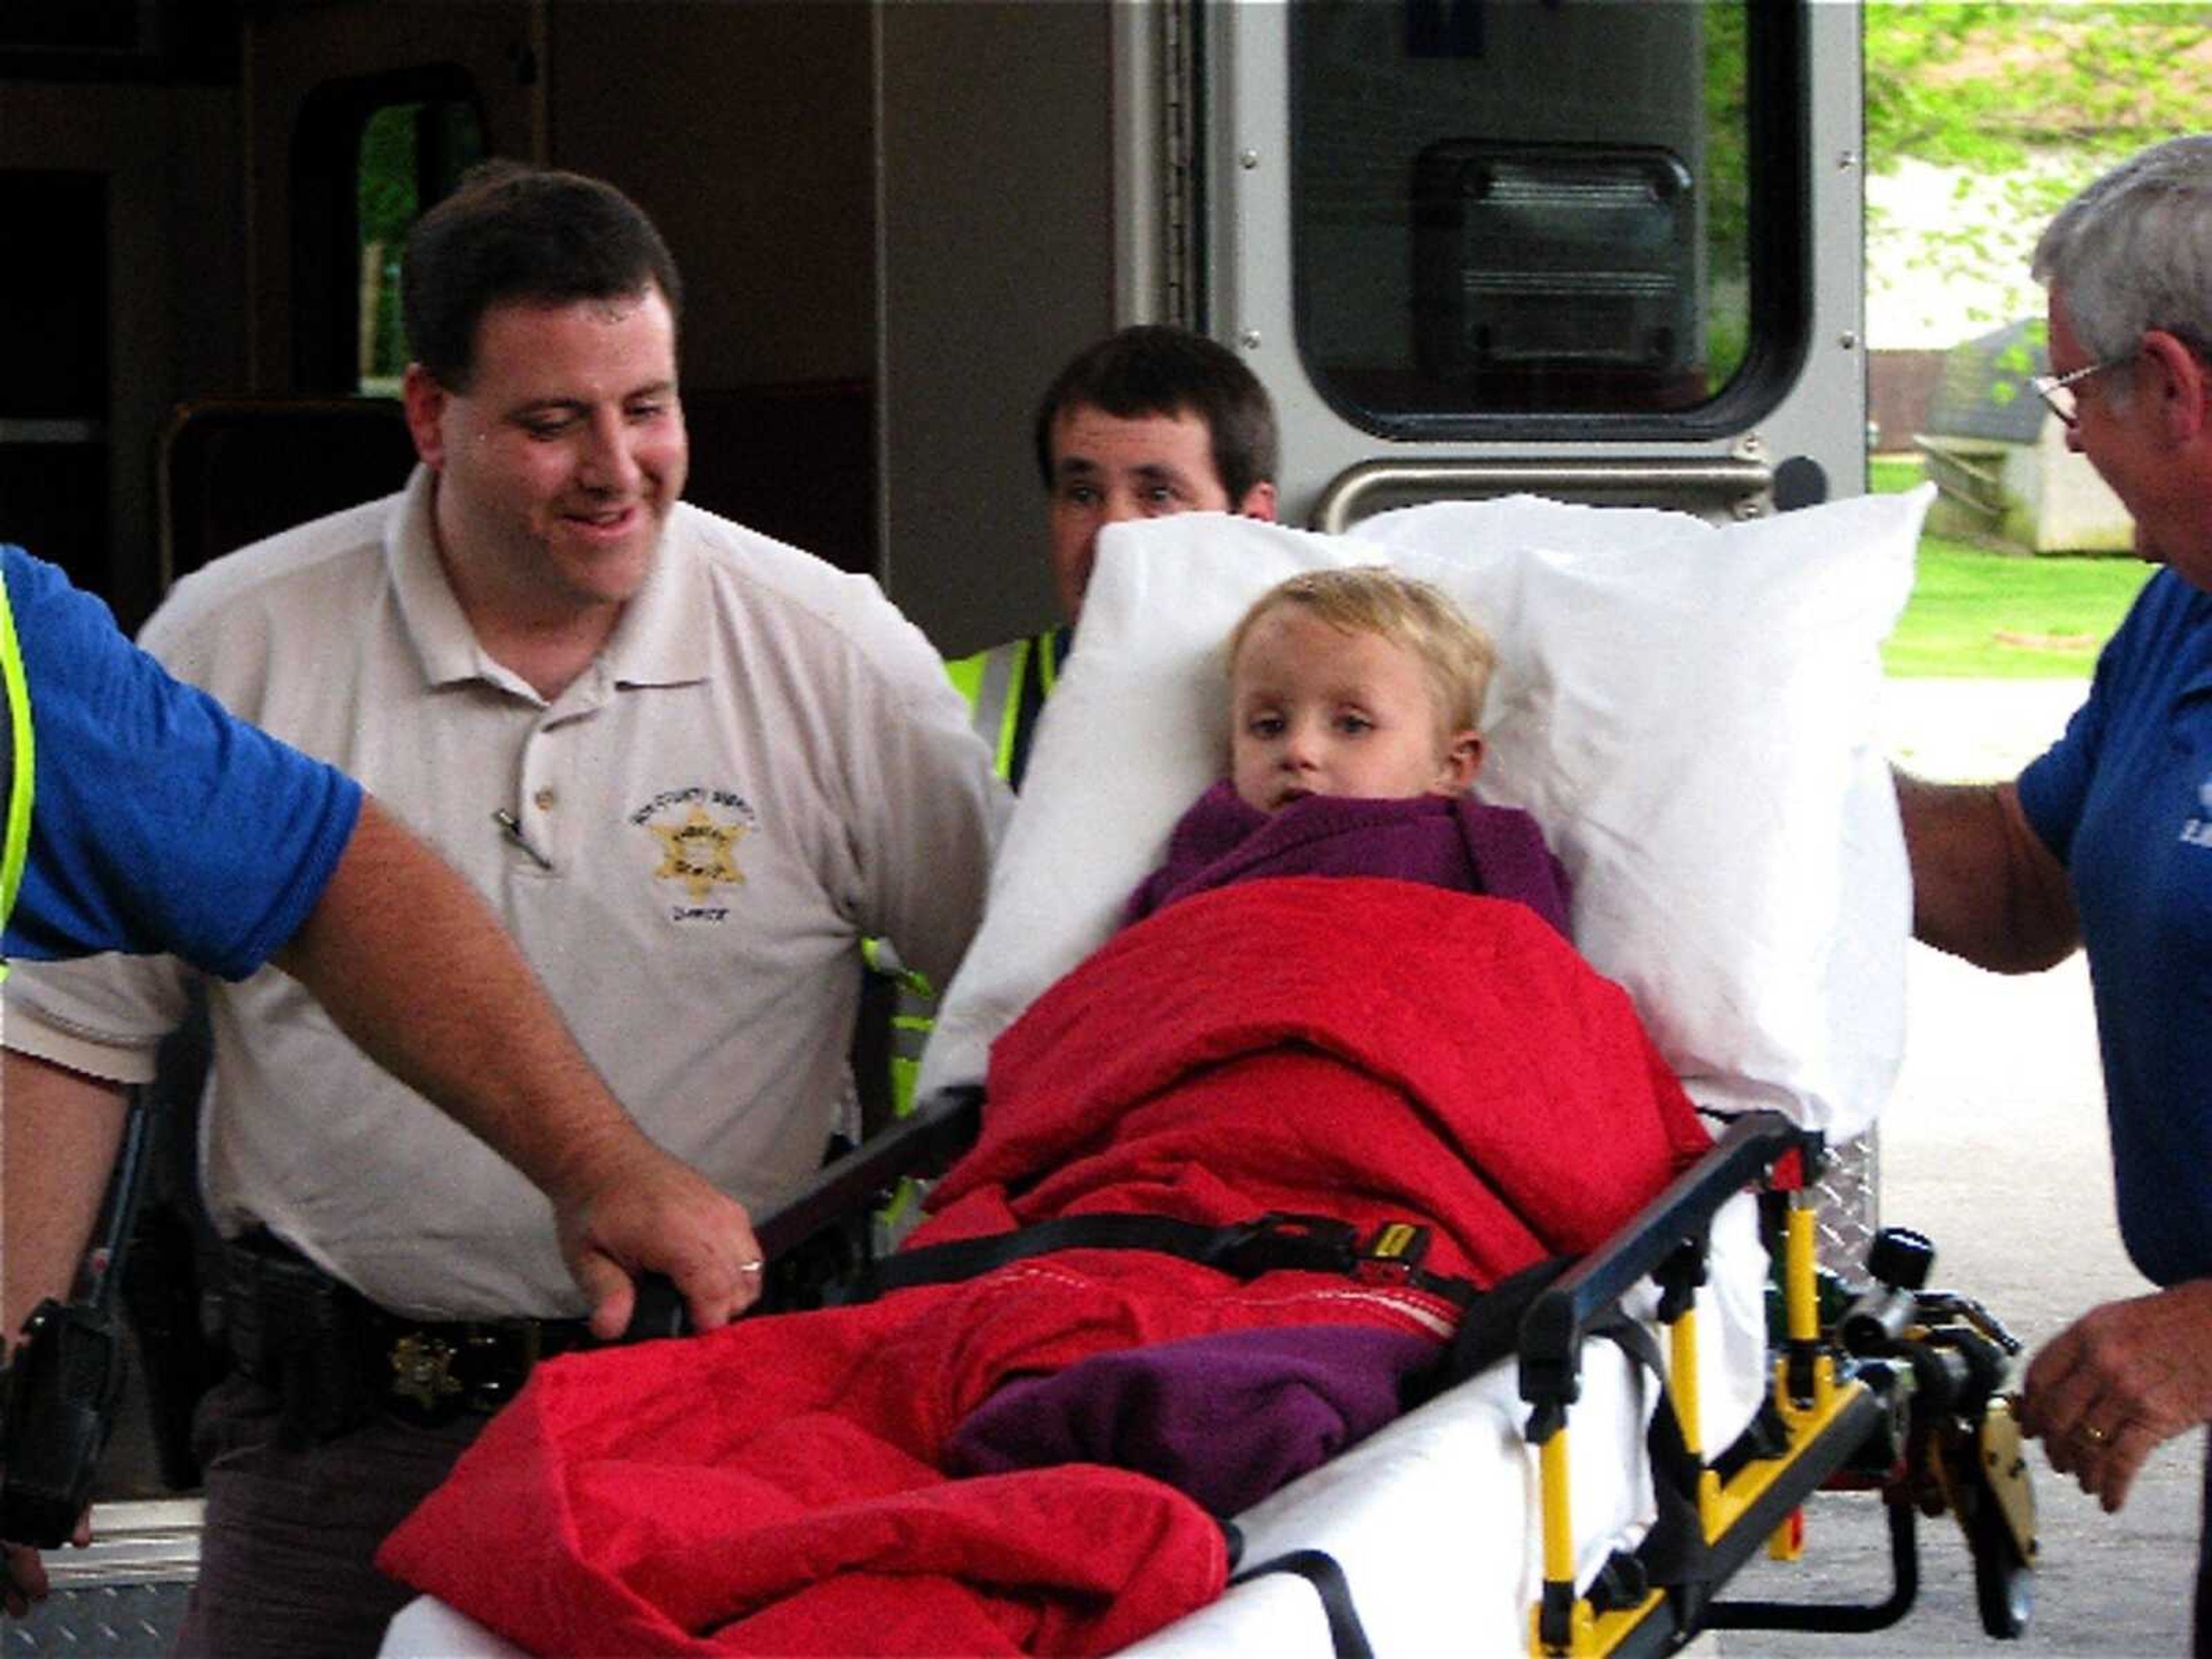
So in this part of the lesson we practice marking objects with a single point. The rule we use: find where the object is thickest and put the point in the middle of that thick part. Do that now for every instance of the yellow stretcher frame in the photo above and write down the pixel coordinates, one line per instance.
(1887, 1419)
(1927, 1441)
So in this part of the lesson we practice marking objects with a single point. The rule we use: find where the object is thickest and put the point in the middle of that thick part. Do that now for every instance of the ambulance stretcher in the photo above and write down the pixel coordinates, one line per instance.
(1688, 712)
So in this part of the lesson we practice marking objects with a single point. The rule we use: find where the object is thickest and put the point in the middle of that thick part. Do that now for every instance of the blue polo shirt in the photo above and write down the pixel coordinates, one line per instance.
(2124, 800)
(159, 822)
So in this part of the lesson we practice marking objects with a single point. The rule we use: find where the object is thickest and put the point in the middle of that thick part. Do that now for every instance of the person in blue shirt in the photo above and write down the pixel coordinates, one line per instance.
(160, 824)
(136, 814)
(2105, 842)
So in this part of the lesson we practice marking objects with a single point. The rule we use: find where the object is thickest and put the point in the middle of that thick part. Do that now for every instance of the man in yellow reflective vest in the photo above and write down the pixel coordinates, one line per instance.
(1149, 421)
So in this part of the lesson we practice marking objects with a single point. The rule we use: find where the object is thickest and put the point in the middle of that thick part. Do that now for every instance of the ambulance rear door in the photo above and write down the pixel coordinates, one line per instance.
(1600, 249)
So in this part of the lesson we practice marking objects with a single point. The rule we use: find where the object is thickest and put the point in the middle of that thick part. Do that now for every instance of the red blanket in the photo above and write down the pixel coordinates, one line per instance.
(1369, 1049)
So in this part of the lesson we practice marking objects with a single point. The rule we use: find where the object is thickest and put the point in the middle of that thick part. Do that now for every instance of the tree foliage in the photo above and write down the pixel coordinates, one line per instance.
(1983, 86)
(2026, 101)
(387, 204)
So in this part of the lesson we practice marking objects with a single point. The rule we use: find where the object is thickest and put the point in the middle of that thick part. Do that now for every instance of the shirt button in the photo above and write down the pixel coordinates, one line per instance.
(544, 799)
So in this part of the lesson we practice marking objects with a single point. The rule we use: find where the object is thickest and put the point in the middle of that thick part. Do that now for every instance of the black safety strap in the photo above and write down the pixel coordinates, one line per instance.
(1674, 1550)
(1320, 1569)
(1488, 1331)
(1275, 1243)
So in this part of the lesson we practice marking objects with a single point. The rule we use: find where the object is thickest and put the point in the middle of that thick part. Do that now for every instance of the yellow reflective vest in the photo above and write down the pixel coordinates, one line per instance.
(16, 765)
(1005, 687)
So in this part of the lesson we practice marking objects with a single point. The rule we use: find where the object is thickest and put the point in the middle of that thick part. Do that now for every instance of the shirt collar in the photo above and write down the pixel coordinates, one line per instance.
(662, 638)
(432, 615)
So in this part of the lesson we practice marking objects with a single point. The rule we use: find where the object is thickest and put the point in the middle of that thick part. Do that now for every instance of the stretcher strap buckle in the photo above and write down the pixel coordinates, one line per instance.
(1283, 1239)
(1393, 1254)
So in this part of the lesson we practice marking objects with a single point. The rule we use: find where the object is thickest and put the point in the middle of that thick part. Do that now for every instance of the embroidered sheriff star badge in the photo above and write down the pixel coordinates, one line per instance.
(700, 853)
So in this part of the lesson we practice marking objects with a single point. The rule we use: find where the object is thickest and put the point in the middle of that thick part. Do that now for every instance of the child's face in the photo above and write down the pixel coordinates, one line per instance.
(1316, 710)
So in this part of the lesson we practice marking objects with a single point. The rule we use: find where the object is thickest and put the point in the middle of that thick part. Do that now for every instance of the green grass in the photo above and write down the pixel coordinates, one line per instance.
(1984, 615)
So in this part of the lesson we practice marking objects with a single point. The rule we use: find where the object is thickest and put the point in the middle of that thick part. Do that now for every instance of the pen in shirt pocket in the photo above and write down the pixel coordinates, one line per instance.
(511, 827)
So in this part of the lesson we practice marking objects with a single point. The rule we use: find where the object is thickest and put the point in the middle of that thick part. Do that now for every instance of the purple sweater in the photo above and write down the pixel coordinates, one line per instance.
(1457, 843)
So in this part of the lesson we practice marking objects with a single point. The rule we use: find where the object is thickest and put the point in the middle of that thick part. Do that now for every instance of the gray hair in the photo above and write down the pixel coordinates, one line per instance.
(2133, 250)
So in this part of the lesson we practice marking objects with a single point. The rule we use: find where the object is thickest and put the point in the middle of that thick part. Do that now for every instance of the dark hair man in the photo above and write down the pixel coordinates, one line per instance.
(690, 767)
(1148, 421)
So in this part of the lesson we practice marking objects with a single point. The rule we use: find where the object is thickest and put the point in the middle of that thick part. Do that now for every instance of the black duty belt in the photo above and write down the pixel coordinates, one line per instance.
(432, 1370)
(1275, 1242)
(337, 1359)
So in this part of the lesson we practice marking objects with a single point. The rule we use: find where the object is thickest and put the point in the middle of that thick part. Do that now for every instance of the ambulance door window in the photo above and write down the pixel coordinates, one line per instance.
(373, 154)
(1505, 210)
(410, 155)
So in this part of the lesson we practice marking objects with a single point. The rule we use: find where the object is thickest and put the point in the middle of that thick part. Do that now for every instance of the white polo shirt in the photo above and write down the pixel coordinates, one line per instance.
(764, 765)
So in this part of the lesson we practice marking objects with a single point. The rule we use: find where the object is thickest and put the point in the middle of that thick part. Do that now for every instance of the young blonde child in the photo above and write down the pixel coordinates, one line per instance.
(1355, 712)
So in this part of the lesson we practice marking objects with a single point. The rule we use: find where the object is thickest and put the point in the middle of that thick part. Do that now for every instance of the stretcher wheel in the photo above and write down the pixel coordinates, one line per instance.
(2004, 1585)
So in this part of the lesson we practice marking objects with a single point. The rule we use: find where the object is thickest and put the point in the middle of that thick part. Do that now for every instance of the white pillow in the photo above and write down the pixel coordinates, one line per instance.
(1688, 710)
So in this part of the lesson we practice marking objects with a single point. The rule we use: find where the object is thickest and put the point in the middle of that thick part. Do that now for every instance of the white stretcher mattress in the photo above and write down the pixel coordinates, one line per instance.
(1434, 1519)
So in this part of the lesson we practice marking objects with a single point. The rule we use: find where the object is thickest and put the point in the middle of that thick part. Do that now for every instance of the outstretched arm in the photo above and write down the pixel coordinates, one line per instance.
(417, 971)
(1985, 886)
(2119, 1383)
(58, 1133)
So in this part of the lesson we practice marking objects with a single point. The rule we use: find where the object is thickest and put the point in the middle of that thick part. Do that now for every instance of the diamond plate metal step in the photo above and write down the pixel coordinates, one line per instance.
(123, 1594)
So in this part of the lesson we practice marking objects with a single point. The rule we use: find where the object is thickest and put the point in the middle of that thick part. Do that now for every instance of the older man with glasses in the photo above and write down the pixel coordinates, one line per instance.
(2105, 842)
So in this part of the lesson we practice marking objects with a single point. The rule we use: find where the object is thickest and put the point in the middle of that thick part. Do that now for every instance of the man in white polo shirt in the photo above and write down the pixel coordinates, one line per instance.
(691, 768)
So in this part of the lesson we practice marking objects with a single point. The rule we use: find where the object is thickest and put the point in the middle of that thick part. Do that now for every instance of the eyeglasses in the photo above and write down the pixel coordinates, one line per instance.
(2057, 391)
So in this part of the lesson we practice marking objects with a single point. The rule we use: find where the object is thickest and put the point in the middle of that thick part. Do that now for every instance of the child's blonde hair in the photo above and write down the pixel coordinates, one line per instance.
(1371, 598)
